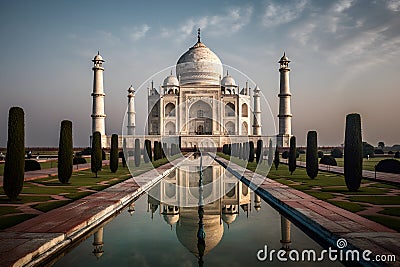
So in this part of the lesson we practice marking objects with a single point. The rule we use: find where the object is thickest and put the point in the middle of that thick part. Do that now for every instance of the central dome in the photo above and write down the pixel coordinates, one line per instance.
(199, 65)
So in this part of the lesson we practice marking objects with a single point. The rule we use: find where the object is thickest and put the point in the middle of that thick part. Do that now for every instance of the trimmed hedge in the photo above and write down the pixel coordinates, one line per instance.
(79, 160)
(388, 165)
(328, 160)
(337, 153)
(32, 165)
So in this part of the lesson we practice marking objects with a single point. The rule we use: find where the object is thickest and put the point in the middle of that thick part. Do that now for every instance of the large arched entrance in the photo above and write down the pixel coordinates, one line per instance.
(200, 118)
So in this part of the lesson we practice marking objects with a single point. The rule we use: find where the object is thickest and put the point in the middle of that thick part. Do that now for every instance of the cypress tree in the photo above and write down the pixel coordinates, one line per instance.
(137, 152)
(312, 155)
(270, 153)
(147, 151)
(276, 158)
(259, 151)
(353, 152)
(251, 151)
(13, 179)
(65, 152)
(114, 153)
(240, 151)
(292, 154)
(96, 157)
(156, 153)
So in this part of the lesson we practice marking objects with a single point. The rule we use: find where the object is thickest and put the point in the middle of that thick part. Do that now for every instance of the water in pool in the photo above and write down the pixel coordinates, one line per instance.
(167, 229)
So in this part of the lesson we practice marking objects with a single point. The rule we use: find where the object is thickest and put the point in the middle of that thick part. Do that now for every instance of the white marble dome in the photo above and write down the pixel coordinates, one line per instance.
(228, 81)
(199, 65)
(170, 81)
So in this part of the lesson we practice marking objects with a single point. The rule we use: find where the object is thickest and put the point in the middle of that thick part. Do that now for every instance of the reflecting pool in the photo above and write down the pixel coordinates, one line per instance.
(165, 228)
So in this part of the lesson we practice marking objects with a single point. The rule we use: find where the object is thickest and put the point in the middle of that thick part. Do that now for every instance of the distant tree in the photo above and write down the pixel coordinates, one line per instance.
(292, 154)
(390, 152)
(337, 153)
(320, 154)
(251, 151)
(378, 151)
(259, 151)
(114, 153)
(156, 153)
(276, 158)
(312, 155)
(96, 158)
(270, 158)
(328, 160)
(240, 151)
(397, 155)
(137, 152)
(65, 152)
(353, 152)
(381, 145)
(367, 150)
(285, 154)
(13, 177)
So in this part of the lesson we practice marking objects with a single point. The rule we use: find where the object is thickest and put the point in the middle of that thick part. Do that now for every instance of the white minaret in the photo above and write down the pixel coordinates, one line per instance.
(257, 112)
(98, 116)
(285, 233)
(285, 116)
(131, 111)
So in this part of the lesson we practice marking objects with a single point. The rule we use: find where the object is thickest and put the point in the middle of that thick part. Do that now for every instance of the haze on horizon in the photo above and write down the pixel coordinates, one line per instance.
(344, 59)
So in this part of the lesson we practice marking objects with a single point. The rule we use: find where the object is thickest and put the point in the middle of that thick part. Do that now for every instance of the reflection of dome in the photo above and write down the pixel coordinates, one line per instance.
(171, 218)
(186, 231)
(229, 218)
(170, 81)
(199, 65)
(228, 81)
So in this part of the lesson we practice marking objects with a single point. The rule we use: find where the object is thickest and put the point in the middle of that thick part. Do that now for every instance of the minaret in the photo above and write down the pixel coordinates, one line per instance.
(131, 111)
(285, 116)
(98, 243)
(285, 233)
(257, 112)
(98, 116)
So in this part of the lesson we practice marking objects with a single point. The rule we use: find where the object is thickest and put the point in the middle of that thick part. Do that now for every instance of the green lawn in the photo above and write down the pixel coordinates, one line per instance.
(326, 186)
(368, 164)
(38, 193)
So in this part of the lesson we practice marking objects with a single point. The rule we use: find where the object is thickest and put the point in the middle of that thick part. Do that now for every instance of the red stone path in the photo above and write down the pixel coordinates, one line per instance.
(326, 222)
(33, 240)
(370, 175)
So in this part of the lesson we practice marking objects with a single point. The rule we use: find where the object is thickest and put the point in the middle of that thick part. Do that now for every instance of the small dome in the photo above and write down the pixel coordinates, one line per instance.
(170, 81)
(228, 81)
(98, 57)
(131, 90)
(284, 58)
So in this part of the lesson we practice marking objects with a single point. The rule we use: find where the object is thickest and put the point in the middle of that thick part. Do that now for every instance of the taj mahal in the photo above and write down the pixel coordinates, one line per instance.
(201, 103)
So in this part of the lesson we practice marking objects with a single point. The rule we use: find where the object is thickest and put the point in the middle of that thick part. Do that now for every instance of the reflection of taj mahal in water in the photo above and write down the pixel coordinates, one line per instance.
(170, 197)
(199, 103)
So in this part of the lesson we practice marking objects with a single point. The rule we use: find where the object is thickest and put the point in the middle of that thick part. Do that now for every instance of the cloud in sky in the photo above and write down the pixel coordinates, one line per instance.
(283, 12)
(393, 5)
(139, 32)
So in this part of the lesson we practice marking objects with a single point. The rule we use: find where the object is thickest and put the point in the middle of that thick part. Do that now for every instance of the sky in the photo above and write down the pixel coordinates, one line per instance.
(345, 59)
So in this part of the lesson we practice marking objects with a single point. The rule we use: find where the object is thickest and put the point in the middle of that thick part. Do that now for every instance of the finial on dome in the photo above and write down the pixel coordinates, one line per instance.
(198, 35)
(98, 52)
(171, 72)
(227, 73)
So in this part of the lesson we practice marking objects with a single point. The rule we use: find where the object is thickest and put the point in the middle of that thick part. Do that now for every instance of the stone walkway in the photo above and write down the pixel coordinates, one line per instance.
(369, 175)
(30, 242)
(324, 221)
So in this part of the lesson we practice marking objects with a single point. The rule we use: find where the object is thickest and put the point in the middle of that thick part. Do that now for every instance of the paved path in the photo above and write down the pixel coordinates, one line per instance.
(369, 175)
(324, 221)
(32, 175)
(30, 242)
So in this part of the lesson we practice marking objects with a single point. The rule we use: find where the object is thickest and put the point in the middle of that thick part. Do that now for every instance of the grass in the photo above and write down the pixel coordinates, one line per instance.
(327, 186)
(46, 206)
(9, 221)
(390, 222)
(353, 207)
(39, 191)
